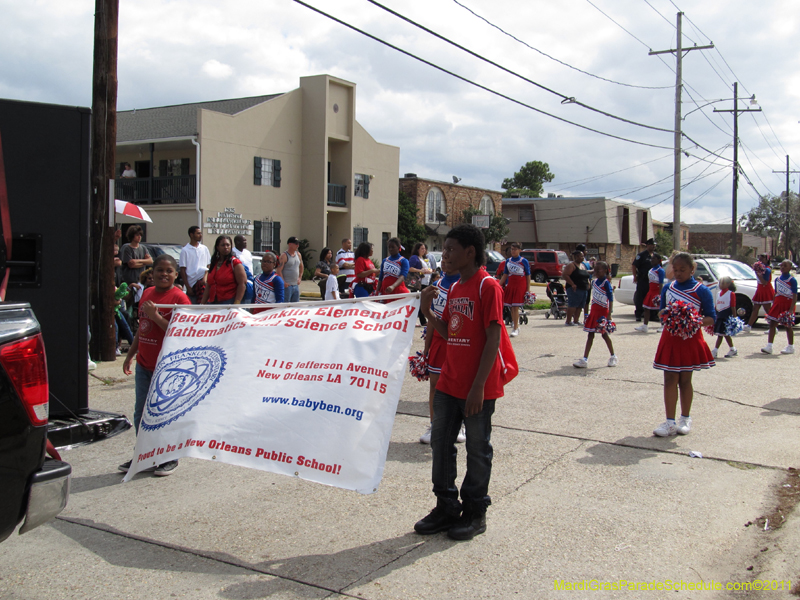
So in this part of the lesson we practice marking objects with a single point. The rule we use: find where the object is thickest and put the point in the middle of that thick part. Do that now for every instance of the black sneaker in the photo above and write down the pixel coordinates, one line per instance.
(439, 519)
(468, 526)
(166, 469)
(124, 467)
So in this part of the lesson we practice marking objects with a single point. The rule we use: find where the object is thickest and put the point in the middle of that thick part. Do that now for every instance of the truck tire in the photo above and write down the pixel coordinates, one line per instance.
(540, 276)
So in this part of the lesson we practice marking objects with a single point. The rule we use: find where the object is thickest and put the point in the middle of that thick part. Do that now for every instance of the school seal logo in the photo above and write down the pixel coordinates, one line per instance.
(181, 380)
(456, 324)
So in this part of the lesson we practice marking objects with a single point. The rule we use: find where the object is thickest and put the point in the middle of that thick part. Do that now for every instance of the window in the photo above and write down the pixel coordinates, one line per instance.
(546, 257)
(360, 234)
(487, 206)
(267, 236)
(173, 167)
(266, 171)
(435, 206)
(525, 214)
(361, 186)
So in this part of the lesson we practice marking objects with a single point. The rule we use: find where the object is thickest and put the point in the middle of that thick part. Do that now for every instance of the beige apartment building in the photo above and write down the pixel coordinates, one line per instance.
(266, 167)
(612, 231)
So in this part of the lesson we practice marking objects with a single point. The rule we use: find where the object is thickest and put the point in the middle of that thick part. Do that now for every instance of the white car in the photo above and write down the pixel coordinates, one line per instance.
(710, 271)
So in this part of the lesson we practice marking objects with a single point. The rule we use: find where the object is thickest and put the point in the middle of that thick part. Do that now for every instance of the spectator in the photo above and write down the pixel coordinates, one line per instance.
(365, 270)
(128, 172)
(423, 264)
(290, 269)
(323, 269)
(226, 277)
(241, 252)
(133, 256)
(332, 284)
(641, 267)
(347, 262)
(194, 265)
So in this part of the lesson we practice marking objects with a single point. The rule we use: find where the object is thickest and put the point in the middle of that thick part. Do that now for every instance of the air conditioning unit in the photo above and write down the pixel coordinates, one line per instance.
(481, 221)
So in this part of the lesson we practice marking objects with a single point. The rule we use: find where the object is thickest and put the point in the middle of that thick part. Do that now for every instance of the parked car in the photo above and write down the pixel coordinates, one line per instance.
(35, 488)
(710, 271)
(546, 265)
(494, 260)
(155, 250)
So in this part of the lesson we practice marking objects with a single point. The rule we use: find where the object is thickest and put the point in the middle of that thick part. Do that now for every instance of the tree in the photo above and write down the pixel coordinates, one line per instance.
(664, 244)
(497, 230)
(408, 230)
(528, 181)
(769, 219)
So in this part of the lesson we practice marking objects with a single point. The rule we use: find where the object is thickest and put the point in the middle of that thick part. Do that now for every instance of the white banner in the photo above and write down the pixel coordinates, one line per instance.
(309, 392)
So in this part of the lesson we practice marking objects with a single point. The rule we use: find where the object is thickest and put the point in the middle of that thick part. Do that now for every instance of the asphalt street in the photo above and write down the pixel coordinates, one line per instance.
(582, 495)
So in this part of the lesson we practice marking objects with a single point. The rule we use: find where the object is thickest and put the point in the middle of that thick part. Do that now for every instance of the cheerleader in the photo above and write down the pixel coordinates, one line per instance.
(516, 280)
(653, 299)
(602, 303)
(393, 270)
(679, 357)
(782, 311)
(764, 291)
(726, 308)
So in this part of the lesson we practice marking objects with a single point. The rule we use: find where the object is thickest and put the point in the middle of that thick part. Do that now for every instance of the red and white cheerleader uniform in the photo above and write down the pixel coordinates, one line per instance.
(653, 299)
(438, 349)
(785, 289)
(764, 290)
(602, 296)
(518, 270)
(392, 269)
(674, 353)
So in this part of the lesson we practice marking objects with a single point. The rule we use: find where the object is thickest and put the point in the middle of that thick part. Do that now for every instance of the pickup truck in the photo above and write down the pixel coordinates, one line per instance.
(709, 271)
(35, 488)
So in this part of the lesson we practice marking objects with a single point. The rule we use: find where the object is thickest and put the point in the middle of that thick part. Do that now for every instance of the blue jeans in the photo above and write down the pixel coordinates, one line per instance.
(142, 381)
(292, 293)
(123, 329)
(448, 414)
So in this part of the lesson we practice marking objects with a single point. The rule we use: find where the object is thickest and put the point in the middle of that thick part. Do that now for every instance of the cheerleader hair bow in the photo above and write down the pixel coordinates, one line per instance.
(418, 366)
(682, 319)
(530, 298)
(605, 326)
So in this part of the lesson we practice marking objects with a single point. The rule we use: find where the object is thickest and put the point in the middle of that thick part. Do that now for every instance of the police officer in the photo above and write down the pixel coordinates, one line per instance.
(641, 267)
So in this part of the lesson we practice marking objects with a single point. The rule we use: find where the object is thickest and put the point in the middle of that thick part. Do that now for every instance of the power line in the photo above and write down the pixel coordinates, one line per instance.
(565, 99)
(473, 83)
(586, 180)
(513, 37)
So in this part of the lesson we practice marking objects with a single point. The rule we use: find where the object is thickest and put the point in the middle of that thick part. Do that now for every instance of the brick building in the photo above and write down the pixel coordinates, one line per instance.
(667, 227)
(716, 239)
(441, 205)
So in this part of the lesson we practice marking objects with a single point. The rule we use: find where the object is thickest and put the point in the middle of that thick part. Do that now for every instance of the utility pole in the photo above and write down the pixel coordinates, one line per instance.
(676, 194)
(788, 214)
(104, 140)
(735, 196)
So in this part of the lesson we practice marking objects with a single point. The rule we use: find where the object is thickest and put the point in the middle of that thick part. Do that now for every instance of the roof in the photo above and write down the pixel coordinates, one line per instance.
(179, 120)
(514, 201)
(709, 228)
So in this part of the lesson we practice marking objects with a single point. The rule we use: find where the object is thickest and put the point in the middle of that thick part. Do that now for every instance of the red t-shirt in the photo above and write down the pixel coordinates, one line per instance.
(222, 282)
(472, 306)
(364, 264)
(151, 336)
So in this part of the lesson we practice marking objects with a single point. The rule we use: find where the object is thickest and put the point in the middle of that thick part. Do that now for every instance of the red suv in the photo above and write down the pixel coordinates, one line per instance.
(545, 264)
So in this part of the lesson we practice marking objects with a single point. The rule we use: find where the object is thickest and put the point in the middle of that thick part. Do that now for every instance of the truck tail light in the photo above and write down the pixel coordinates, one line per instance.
(26, 365)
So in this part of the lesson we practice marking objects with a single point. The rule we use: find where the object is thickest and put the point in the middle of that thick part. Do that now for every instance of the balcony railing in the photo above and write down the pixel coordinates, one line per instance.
(181, 189)
(337, 195)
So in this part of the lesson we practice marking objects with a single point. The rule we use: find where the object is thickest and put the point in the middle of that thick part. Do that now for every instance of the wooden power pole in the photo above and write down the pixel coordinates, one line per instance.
(104, 140)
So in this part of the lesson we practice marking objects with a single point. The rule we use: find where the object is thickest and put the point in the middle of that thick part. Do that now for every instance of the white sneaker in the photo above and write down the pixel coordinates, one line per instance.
(92, 365)
(613, 361)
(425, 438)
(788, 350)
(731, 353)
(747, 328)
(581, 363)
(714, 352)
(684, 425)
(666, 429)
(659, 330)
(767, 349)
(118, 352)
(514, 333)
(462, 435)
(642, 328)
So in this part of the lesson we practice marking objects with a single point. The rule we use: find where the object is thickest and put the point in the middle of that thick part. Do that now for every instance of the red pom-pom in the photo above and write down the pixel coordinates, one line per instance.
(682, 319)
(786, 319)
(605, 326)
(710, 330)
(759, 267)
(418, 366)
(530, 298)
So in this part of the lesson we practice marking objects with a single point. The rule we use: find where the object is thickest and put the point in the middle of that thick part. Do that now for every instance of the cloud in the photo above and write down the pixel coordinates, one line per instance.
(217, 70)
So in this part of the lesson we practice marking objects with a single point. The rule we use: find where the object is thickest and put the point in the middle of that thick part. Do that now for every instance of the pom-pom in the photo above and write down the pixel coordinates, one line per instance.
(418, 366)
(682, 319)
(530, 298)
(759, 267)
(786, 319)
(733, 326)
(424, 332)
(605, 326)
(710, 330)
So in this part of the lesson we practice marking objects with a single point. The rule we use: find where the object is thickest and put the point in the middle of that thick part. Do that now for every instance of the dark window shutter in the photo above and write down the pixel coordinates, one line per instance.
(276, 237)
(366, 186)
(257, 236)
(184, 166)
(162, 168)
(257, 170)
(276, 173)
(365, 233)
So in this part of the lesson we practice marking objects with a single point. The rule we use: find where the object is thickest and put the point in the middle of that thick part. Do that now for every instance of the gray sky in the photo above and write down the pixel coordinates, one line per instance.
(177, 51)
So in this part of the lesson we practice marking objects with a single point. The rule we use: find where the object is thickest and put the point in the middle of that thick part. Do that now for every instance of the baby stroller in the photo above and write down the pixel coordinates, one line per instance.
(558, 300)
(523, 316)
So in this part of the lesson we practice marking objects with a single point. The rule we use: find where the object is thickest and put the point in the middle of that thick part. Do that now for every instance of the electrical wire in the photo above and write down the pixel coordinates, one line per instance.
(585, 180)
(750, 162)
(561, 62)
(473, 83)
(565, 99)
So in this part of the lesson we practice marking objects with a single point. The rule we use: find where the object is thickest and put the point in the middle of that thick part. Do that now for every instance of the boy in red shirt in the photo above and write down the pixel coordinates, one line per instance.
(479, 362)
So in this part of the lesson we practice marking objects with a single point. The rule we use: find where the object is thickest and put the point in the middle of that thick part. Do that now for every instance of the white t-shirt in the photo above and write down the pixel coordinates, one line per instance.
(332, 288)
(245, 257)
(129, 173)
(195, 261)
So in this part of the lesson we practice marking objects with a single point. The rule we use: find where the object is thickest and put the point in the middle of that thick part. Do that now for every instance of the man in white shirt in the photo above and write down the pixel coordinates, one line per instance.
(193, 264)
(241, 252)
(346, 260)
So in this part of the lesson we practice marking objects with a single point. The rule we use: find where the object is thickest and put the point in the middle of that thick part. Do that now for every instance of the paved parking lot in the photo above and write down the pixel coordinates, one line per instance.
(581, 491)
